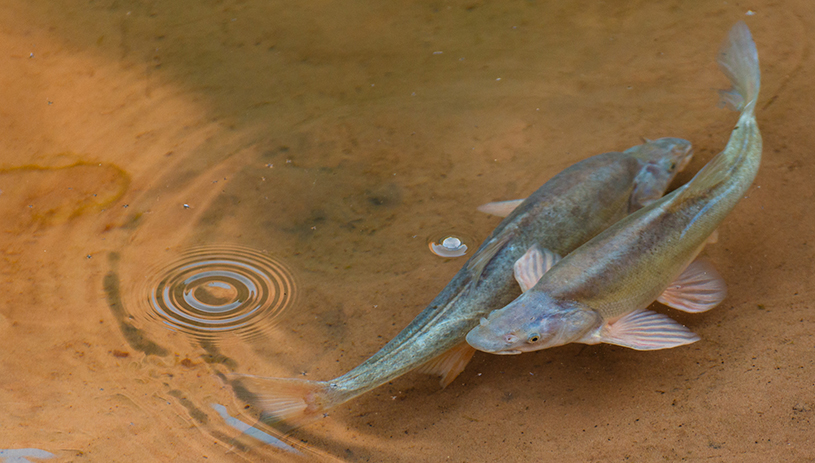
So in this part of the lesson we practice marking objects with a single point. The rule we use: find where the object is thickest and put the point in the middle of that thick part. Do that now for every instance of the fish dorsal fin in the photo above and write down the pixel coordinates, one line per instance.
(449, 364)
(713, 173)
(484, 256)
(699, 288)
(532, 265)
(646, 330)
(501, 208)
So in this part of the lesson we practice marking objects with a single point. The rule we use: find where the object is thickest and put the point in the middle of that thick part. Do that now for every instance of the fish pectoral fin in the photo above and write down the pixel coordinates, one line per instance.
(697, 289)
(646, 330)
(501, 208)
(532, 265)
(449, 364)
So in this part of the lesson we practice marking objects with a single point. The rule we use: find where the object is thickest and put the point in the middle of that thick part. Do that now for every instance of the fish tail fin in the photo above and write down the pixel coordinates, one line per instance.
(738, 60)
(285, 401)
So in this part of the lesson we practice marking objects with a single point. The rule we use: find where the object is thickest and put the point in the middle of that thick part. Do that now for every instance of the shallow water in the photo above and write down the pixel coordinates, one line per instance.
(339, 141)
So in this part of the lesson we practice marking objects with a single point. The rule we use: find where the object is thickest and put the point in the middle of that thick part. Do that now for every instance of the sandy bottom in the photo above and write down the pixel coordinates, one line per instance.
(338, 139)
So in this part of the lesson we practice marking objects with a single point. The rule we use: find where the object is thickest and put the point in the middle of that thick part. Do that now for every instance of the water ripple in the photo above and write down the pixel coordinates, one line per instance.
(213, 290)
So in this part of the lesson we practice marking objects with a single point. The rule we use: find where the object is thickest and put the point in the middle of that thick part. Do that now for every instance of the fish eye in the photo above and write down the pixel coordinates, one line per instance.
(534, 337)
(673, 166)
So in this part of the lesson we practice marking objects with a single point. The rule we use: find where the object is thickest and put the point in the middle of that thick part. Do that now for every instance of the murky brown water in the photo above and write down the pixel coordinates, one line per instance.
(339, 140)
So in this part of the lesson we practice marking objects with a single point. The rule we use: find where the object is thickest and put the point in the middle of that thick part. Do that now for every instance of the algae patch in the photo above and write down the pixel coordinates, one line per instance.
(43, 196)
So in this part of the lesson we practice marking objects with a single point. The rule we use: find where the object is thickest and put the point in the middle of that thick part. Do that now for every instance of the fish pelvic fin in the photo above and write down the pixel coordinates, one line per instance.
(286, 402)
(501, 208)
(698, 289)
(449, 364)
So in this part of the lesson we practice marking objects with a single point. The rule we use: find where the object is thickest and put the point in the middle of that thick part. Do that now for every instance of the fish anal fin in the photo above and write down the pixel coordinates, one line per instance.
(646, 330)
(532, 265)
(699, 288)
(501, 208)
(713, 238)
(449, 364)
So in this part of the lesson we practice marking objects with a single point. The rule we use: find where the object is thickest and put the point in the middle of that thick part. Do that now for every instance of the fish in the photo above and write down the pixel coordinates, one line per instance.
(565, 212)
(599, 293)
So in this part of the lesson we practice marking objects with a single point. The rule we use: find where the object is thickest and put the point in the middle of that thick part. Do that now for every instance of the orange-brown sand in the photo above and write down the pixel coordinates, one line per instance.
(338, 137)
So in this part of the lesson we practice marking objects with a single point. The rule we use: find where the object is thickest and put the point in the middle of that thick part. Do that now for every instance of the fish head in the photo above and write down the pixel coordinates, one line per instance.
(660, 161)
(531, 322)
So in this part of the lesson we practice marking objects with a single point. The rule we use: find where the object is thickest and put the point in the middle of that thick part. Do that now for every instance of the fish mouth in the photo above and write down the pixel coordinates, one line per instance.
(507, 352)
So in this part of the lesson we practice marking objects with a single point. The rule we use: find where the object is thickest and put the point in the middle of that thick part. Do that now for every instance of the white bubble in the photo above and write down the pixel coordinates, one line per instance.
(450, 247)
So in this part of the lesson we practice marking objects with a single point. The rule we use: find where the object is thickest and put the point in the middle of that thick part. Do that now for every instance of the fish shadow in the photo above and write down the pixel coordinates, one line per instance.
(511, 389)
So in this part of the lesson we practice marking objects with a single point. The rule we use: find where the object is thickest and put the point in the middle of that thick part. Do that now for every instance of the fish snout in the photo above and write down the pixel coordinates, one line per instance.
(482, 338)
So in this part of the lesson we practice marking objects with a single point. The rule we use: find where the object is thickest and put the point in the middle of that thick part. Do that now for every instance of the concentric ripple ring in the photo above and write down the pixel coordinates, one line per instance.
(213, 290)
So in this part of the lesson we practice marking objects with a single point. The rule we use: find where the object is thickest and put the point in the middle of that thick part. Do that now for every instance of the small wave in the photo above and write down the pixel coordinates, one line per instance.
(213, 290)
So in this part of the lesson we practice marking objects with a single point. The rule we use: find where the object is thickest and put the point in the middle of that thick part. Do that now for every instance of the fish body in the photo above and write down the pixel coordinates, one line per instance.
(564, 213)
(599, 292)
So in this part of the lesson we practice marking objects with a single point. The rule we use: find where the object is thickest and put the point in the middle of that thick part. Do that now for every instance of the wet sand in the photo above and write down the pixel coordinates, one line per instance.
(338, 139)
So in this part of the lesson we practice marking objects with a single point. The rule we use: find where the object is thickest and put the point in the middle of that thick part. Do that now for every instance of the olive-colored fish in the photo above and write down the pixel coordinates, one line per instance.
(599, 292)
(564, 213)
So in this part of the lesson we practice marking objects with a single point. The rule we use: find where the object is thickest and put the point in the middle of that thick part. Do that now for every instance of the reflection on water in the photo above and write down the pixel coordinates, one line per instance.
(335, 139)
(252, 431)
(19, 455)
(219, 289)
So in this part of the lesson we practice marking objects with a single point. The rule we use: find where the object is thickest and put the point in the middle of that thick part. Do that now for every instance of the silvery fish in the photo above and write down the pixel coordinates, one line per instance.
(564, 213)
(599, 292)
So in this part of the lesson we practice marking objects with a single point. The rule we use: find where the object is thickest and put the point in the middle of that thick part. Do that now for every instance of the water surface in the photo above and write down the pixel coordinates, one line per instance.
(335, 142)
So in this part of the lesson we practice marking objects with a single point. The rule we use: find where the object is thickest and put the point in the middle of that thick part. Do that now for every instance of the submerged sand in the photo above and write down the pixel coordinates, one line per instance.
(339, 138)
